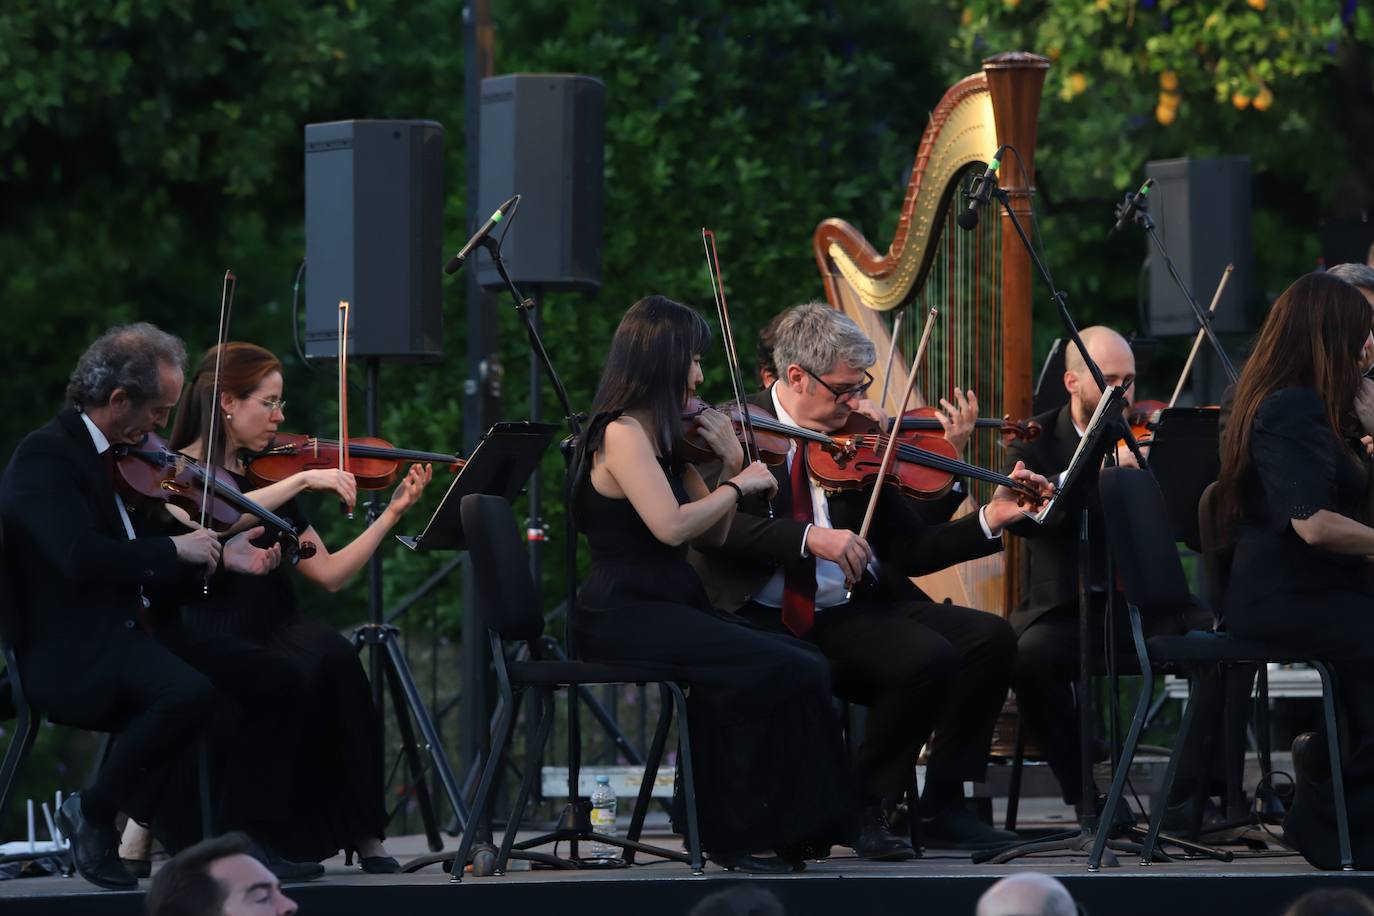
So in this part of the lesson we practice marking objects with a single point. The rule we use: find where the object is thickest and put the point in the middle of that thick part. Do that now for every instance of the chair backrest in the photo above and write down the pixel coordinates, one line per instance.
(1142, 544)
(11, 692)
(9, 611)
(506, 596)
(1218, 548)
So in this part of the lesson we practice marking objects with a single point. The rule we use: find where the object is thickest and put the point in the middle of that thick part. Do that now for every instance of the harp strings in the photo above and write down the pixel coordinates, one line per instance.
(965, 350)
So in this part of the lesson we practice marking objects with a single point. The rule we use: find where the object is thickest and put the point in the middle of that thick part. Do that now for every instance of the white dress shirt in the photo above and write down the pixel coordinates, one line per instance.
(830, 583)
(102, 445)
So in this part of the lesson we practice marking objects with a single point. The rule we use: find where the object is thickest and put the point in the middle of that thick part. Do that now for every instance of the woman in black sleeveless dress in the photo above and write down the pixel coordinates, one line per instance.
(769, 763)
(1293, 476)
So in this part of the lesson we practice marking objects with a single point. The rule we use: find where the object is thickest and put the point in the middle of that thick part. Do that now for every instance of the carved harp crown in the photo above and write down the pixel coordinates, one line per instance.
(980, 281)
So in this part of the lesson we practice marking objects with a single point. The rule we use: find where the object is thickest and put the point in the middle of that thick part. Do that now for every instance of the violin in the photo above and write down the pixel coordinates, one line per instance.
(922, 419)
(151, 472)
(849, 459)
(925, 466)
(1141, 418)
(375, 463)
(772, 447)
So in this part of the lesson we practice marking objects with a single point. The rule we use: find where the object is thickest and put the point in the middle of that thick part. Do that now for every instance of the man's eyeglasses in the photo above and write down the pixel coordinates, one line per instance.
(272, 404)
(853, 391)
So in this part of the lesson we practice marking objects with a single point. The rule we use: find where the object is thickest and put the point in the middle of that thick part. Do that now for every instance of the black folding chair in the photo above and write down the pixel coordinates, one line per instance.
(510, 607)
(1152, 578)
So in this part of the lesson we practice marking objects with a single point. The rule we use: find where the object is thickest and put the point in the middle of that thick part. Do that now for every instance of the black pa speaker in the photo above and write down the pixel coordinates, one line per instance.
(374, 206)
(542, 136)
(1201, 209)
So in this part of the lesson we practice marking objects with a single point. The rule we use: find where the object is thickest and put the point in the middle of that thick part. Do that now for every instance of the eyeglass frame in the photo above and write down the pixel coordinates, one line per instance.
(855, 391)
(272, 404)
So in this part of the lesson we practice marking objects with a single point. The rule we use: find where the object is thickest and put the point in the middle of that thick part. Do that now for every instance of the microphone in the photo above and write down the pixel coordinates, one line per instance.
(455, 262)
(980, 192)
(1127, 208)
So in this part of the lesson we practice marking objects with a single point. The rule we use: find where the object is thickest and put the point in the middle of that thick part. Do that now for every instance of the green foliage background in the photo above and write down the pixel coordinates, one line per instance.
(145, 147)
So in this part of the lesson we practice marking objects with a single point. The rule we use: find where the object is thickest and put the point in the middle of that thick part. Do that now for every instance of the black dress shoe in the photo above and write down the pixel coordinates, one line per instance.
(374, 865)
(800, 853)
(139, 868)
(1311, 762)
(95, 850)
(1124, 816)
(878, 844)
(755, 864)
(957, 828)
(284, 869)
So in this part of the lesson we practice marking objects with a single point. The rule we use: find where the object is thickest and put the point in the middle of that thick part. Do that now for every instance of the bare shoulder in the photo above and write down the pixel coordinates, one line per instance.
(627, 433)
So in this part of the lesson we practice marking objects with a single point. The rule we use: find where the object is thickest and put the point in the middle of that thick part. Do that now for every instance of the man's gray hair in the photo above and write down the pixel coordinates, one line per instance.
(817, 337)
(127, 356)
(1360, 275)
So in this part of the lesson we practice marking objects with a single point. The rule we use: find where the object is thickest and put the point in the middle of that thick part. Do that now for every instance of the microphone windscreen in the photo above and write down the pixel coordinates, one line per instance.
(968, 219)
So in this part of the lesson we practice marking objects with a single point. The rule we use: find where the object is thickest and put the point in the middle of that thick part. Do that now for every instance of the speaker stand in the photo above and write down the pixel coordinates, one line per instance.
(387, 665)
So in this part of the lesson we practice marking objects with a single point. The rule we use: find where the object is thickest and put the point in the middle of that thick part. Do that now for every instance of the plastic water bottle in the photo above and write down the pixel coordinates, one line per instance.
(603, 818)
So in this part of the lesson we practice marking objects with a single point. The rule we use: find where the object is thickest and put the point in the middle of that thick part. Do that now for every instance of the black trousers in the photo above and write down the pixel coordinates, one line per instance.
(1047, 668)
(156, 703)
(252, 734)
(927, 672)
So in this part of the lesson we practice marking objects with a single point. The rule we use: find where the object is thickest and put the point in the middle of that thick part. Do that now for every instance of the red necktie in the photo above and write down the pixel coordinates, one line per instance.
(799, 583)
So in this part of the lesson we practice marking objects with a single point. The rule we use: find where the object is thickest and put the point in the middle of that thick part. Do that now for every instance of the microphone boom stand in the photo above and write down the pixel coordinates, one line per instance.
(576, 817)
(1083, 839)
(1141, 218)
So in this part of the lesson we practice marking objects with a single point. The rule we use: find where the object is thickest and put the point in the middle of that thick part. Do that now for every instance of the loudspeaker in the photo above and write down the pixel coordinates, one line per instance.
(1201, 209)
(542, 136)
(374, 208)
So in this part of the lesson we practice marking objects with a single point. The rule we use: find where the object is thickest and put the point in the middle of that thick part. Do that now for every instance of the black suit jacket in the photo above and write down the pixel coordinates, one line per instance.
(75, 574)
(757, 546)
(1050, 572)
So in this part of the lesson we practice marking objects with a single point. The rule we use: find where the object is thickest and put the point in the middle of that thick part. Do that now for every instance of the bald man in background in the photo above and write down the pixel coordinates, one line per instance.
(1027, 894)
(1046, 619)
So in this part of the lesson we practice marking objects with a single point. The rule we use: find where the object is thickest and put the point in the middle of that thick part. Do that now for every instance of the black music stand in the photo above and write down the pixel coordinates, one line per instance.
(1185, 457)
(500, 465)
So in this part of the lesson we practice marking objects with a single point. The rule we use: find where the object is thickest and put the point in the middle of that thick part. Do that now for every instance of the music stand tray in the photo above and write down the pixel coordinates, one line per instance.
(501, 465)
(1088, 455)
(1185, 458)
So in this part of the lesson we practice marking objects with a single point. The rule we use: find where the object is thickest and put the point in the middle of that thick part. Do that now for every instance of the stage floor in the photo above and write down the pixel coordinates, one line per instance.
(942, 882)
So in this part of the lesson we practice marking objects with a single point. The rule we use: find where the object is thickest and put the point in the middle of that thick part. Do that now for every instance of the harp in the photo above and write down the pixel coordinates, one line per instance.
(980, 280)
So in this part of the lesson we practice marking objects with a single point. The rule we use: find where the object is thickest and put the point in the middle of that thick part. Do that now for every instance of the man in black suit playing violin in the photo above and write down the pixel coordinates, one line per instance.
(921, 667)
(82, 580)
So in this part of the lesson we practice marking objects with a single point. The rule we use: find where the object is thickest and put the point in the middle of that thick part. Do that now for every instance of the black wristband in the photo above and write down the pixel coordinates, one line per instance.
(739, 494)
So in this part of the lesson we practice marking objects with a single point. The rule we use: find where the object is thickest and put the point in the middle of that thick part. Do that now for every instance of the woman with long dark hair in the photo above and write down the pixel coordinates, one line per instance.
(1293, 478)
(337, 800)
(766, 746)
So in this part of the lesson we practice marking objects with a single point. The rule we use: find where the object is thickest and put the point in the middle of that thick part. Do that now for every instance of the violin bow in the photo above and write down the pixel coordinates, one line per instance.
(891, 451)
(343, 392)
(1197, 341)
(751, 448)
(226, 308)
(891, 356)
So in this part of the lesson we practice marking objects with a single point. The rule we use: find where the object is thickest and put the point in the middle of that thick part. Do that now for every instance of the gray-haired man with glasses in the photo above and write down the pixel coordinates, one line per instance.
(926, 671)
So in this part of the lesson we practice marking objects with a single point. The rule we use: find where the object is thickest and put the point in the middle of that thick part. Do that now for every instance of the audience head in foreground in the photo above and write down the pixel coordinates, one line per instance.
(1334, 901)
(738, 900)
(217, 877)
(1029, 894)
